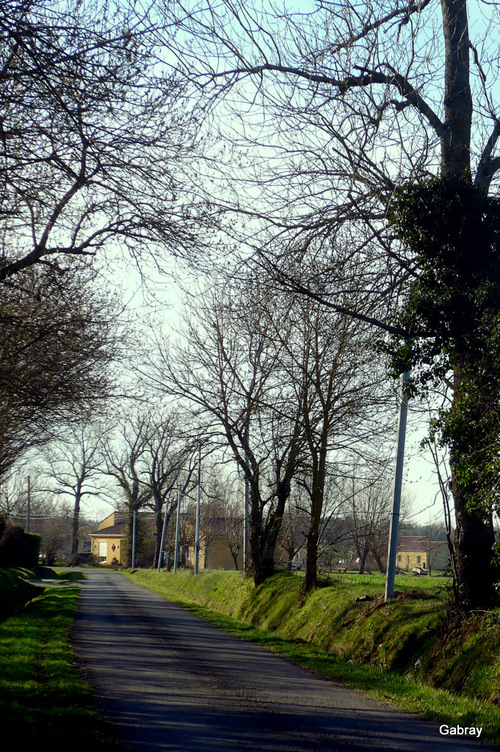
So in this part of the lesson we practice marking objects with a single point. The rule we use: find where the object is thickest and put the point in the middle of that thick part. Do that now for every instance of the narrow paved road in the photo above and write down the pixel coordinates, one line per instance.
(170, 681)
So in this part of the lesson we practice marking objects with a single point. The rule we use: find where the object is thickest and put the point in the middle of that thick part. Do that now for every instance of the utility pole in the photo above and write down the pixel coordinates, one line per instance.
(245, 529)
(398, 482)
(197, 526)
(134, 536)
(28, 511)
(66, 538)
(162, 544)
(177, 530)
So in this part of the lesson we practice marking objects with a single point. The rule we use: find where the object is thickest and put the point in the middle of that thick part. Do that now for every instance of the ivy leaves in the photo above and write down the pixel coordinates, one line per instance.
(453, 233)
(452, 316)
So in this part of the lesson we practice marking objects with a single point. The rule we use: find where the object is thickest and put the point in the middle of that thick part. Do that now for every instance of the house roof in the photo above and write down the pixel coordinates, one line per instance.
(115, 531)
(417, 543)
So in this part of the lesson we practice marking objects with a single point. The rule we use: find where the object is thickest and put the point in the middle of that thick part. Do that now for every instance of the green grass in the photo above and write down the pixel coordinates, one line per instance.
(393, 651)
(43, 700)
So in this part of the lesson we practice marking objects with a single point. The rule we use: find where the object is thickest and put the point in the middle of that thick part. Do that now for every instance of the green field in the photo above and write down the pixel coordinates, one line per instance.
(411, 652)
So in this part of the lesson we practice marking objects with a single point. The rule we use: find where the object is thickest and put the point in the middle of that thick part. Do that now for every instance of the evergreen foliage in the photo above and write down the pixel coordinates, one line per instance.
(452, 320)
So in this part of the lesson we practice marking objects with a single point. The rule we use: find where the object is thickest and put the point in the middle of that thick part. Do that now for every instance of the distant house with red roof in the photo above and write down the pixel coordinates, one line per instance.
(417, 551)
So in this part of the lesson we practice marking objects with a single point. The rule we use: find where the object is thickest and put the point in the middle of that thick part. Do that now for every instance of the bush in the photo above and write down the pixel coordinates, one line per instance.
(15, 591)
(18, 548)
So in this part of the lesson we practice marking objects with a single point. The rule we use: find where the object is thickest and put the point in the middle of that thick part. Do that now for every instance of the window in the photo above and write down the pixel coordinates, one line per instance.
(103, 551)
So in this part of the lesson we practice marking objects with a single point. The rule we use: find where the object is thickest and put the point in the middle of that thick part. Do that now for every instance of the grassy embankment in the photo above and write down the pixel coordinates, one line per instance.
(43, 700)
(406, 652)
(15, 590)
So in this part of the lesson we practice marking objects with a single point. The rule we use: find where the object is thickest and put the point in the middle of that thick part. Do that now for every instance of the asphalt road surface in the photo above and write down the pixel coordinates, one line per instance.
(169, 681)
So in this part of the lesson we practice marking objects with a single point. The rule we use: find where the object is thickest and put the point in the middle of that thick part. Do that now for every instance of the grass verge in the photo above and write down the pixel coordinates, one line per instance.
(389, 652)
(43, 700)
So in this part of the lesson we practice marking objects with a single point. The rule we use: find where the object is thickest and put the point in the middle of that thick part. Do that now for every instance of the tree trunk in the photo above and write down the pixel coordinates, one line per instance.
(263, 539)
(234, 554)
(318, 481)
(378, 559)
(264, 534)
(75, 527)
(263, 567)
(311, 577)
(455, 143)
(362, 562)
(130, 533)
(474, 536)
(474, 540)
(312, 536)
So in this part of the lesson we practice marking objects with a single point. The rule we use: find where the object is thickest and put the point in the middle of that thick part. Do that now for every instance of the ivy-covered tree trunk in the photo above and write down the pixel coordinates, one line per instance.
(453, 315)
(476, 574)
(474, 530)
(453, 312)
(471, 431)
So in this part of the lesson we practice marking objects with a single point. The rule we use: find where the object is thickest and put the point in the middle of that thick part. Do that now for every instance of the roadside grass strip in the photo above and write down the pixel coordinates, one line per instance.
(399, 689)
(43, 700)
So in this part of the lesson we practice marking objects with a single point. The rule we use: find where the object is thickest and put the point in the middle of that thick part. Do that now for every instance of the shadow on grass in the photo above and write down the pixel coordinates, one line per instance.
(46, 573)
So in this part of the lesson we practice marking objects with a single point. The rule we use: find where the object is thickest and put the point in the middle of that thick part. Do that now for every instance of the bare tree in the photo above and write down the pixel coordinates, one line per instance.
(229, 369)
(171, 460)
(289, 384)
(21, 496)
(153, 462)
(74, 464)
(125, 461)
(342, 407)
(371, 508)
(25, 501)
(54, 530)
(296, 522)
(222, 517)
(88, 135)
(369, 497)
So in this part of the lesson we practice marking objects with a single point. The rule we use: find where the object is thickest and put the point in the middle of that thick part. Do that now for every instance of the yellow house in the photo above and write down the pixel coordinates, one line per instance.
(108, 543)
(217, 555)
(419, 552)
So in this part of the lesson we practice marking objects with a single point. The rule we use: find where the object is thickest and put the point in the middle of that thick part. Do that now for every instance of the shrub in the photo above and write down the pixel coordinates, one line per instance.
(18, 548)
